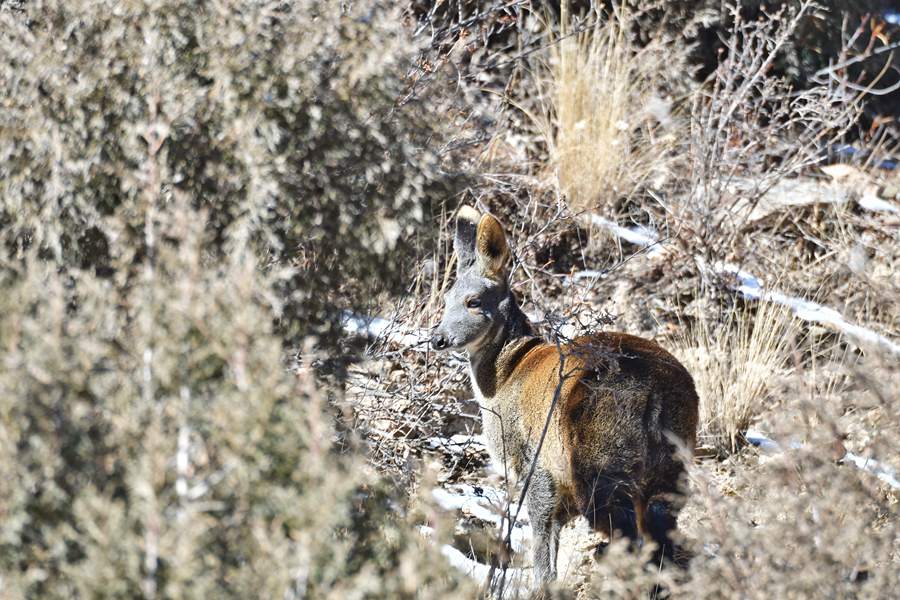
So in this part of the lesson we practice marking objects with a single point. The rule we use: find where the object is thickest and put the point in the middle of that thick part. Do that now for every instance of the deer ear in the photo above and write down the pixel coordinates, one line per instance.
(491, 248)
(464, 238)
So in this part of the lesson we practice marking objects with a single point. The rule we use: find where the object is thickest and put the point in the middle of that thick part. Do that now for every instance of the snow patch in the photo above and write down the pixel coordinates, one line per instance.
(457, 443)
(519, 579)
(871, 201)
(472, 568)
(638, 235)
(487, 504)
(750, 287)
(589, 274)
(381, 328)
(765, 444)
(884, 472)
(880, 470)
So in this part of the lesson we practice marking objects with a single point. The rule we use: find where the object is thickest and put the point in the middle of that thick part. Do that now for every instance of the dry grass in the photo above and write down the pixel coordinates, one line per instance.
(734, 360)
(598, 107)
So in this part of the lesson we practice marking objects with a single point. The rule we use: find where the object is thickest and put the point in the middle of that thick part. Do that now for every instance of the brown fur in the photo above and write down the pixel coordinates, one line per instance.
(491, 248)
(620, 400)
(620, 395)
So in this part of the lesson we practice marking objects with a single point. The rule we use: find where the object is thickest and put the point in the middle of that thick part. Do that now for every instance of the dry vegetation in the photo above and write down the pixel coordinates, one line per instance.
(734, 250)
(201, 206)
(594, 63)
(736, 360)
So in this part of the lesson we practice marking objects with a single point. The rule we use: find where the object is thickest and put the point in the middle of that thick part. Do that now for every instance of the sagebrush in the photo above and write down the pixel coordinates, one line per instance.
(190, 198)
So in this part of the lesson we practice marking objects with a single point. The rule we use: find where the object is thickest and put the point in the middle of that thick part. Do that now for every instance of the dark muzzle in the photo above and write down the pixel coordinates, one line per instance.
(439, 341)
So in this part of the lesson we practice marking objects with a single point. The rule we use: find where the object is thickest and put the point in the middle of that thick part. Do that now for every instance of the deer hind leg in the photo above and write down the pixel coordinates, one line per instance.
(607, 501)
(659, 520)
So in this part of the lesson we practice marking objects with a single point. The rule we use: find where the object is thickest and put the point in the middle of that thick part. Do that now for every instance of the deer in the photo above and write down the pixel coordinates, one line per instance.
(594, 423)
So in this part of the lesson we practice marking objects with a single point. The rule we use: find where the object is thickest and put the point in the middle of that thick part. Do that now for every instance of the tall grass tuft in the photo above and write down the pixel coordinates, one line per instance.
(597, 95)
(734, 361)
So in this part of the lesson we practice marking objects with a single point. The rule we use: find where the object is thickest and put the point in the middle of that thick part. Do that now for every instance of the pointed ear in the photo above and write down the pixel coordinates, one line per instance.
(491, 249)
(464, 238)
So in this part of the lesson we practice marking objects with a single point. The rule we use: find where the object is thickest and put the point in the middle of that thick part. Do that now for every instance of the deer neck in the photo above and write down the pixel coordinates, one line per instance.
(494, 359)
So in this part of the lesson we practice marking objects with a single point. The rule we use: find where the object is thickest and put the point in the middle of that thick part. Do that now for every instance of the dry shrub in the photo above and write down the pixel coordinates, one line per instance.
(750, 130)
(803, 527)
(735, 359)
(291, 123)
(804, 523)
(153, 444)
(600, 104)
(186, 190)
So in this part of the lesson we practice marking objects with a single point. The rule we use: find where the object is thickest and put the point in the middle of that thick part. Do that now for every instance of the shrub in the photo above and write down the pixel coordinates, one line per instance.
(801, 524)
(750, 130)
(154, 446)
(184, 191)
(292, 125)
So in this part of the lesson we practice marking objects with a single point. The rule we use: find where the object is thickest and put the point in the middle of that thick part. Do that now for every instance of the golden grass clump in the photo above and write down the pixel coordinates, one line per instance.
(734, 361)
(599, 110)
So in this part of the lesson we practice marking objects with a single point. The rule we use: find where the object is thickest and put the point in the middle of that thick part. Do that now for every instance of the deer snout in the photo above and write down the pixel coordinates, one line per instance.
(439, 341)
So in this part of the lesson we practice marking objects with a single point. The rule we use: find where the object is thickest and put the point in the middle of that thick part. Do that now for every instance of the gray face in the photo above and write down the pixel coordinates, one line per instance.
(471, 308)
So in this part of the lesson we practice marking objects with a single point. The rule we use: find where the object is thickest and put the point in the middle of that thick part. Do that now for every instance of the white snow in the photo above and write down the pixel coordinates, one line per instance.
(457, 443)
(589, 274)
(472, 568)
(638, 235)
(880, 470)
(592, 275)
(791, 193)
(381, 328)
(759, 440)
(884, 472)
(750, 287)
(871, 201)
(519, 579)
(488, 504)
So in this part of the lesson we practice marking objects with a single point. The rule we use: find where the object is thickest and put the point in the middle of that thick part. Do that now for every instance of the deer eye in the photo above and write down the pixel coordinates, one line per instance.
(473, 302)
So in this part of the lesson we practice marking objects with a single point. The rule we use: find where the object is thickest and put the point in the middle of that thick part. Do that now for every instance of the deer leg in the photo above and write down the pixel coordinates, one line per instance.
(608, 506)
(543, 502)
(659, 521)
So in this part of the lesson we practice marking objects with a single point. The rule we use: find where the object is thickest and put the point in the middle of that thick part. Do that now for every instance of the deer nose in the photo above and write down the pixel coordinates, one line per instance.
(439, 341)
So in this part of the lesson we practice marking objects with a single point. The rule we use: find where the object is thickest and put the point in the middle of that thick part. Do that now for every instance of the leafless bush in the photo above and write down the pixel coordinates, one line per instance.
(750, 130)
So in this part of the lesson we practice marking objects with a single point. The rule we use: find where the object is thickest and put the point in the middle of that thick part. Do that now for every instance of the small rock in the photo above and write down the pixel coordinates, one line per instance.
(890, 190)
